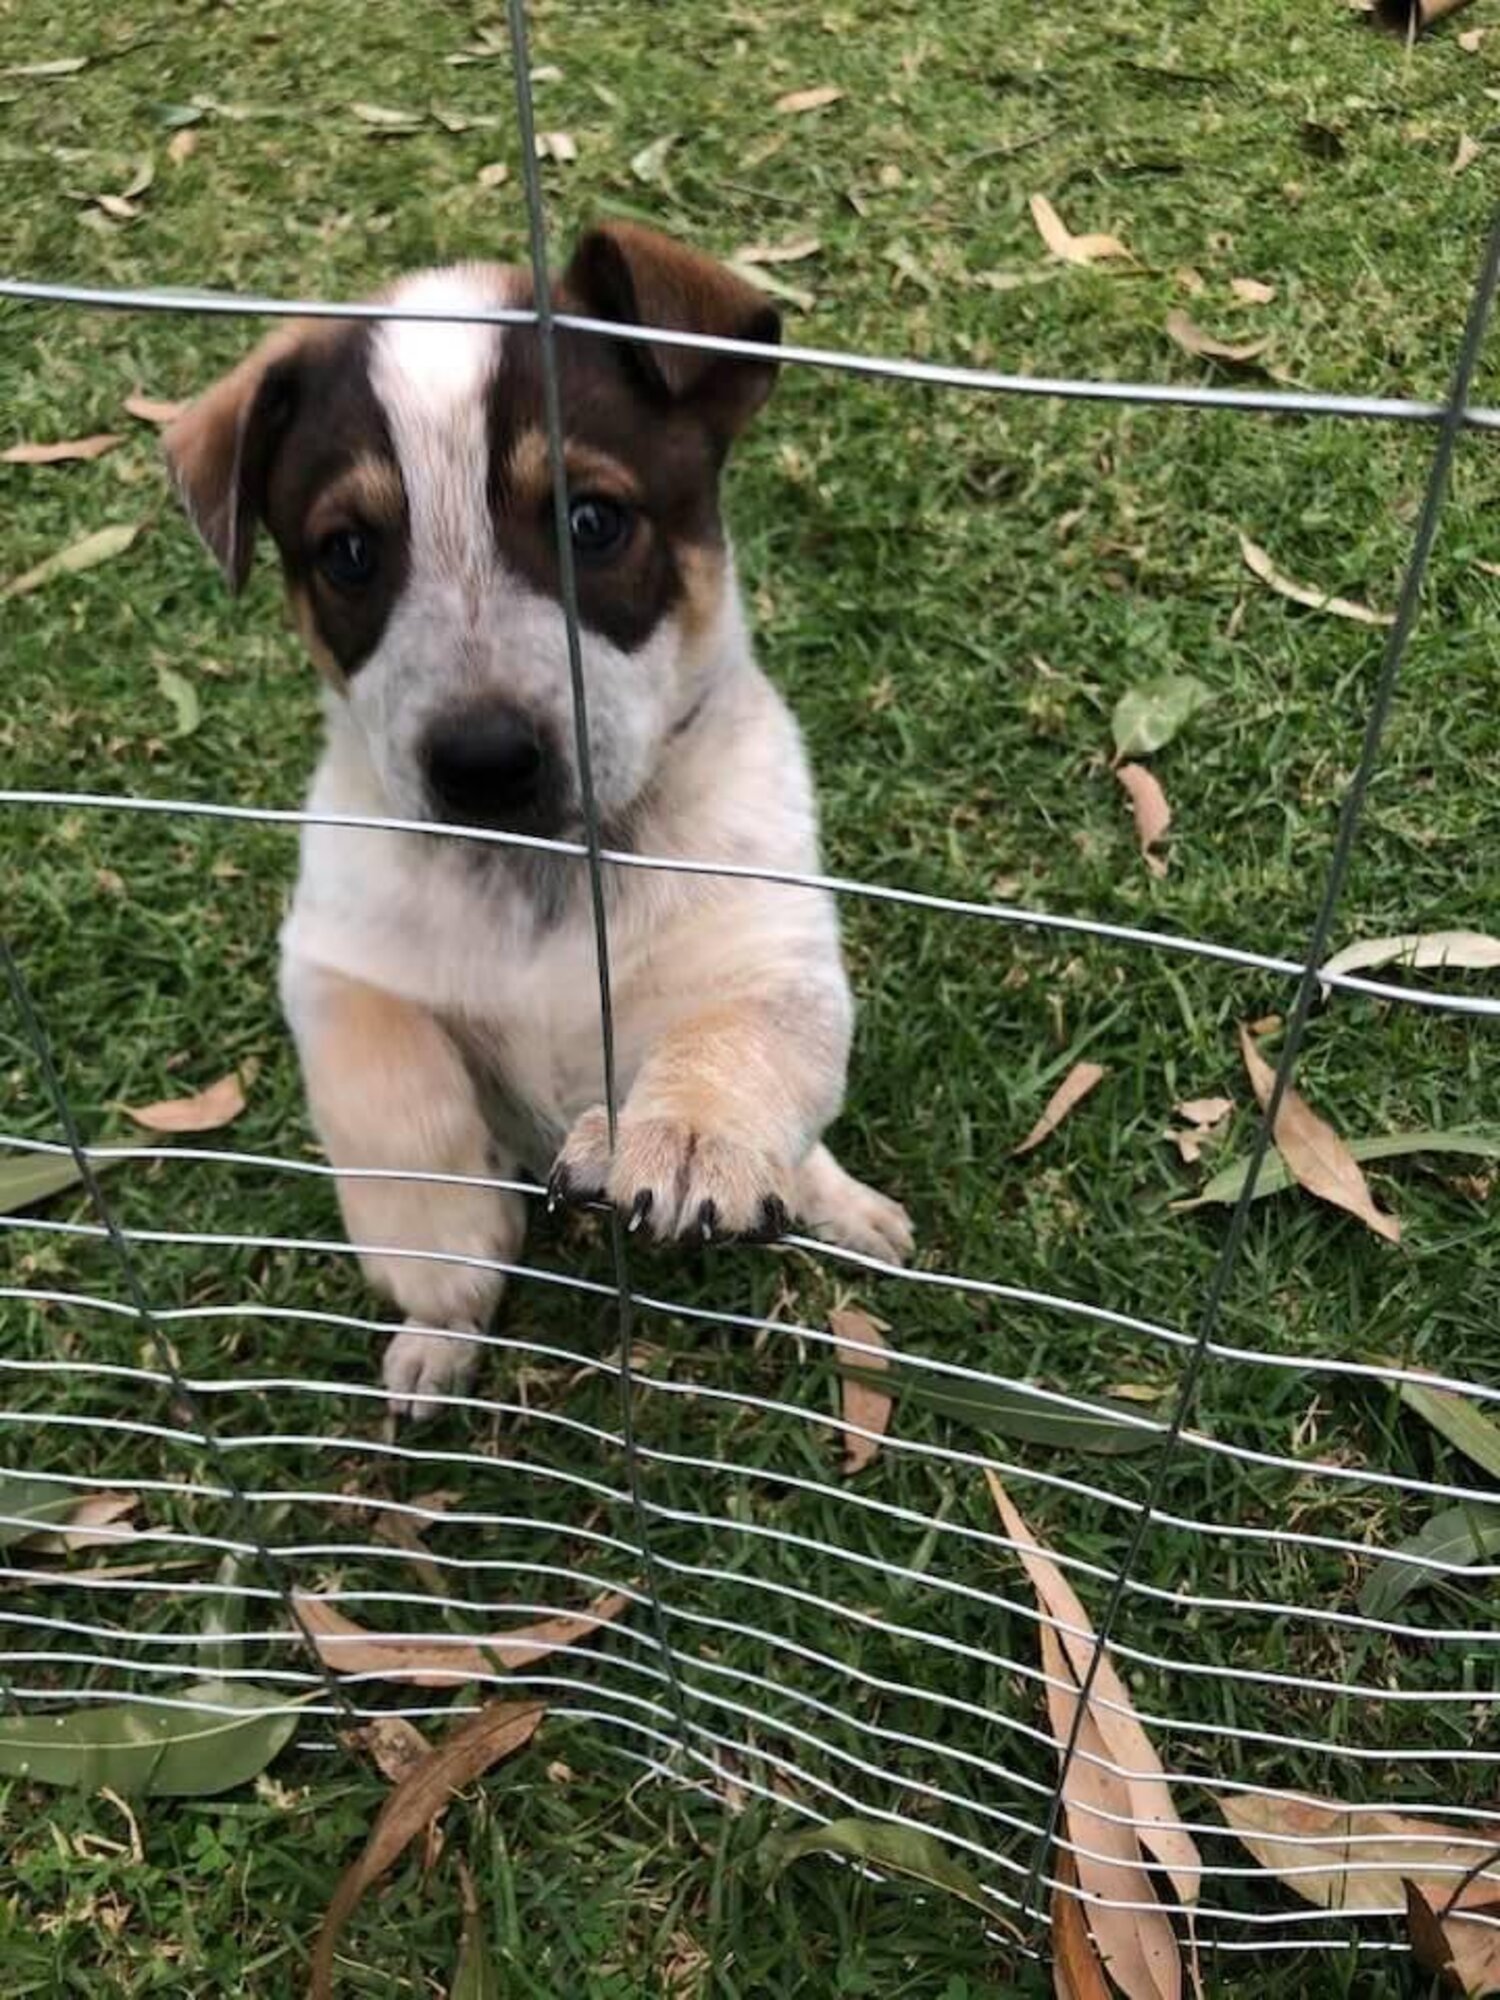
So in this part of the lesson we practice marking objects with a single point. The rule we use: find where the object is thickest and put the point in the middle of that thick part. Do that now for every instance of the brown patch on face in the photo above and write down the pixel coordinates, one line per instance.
(299, 601)
(368, 494)
(527, 483)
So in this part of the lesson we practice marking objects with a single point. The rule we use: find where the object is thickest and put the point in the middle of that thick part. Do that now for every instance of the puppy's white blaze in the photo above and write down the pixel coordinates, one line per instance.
(432, 378)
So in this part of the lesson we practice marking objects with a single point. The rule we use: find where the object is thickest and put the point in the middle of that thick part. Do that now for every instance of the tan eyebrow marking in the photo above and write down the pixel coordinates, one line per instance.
(528, 468)
(370, 490)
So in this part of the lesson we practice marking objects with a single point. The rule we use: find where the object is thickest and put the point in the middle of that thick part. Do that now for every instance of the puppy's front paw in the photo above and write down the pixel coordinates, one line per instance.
(870, 1223)
(421, 1367)
(674, 1180)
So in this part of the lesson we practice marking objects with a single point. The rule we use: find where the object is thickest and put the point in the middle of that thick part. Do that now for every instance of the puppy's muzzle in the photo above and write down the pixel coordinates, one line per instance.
(491, 765)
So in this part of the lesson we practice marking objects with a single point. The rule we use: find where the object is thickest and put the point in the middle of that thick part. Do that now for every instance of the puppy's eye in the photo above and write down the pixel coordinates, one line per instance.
(600, 527)
(347, 558)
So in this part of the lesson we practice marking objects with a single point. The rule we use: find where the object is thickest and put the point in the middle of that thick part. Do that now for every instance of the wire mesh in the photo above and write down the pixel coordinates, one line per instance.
(720, 1674)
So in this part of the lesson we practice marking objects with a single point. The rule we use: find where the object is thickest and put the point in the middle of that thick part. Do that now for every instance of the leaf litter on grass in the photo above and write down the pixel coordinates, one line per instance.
(1069, 1094)
(1313, 1152)
(859, 1355)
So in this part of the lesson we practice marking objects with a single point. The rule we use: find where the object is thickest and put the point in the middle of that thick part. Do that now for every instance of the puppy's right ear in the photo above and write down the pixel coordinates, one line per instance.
(220, 450)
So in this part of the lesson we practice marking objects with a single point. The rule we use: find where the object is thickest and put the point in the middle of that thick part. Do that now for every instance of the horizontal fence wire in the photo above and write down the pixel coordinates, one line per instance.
(883, 1663)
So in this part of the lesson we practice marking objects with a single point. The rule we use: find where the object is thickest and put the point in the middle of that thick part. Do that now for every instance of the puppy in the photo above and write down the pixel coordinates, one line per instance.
(443, 991)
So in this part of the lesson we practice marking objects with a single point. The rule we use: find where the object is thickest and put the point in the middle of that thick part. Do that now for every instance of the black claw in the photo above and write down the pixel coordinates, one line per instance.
(708, 1221)
(559, 1188)
(640, 1208)
(774, 1220)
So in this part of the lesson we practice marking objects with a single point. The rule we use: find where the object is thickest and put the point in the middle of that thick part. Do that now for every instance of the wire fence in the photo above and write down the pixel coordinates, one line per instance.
(720, 1674)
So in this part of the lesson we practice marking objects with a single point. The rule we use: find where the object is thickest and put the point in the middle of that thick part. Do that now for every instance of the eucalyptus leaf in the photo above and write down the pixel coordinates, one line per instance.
(900, 1850)
(1108, 1427)
(475, 1977)
(30, 1505)
(1476, 1142)
(100, 547)
(220, 1654)
(179, 690)
(1466, 1534)
(1146, 718)
(175, 1753)
(1454, 1417)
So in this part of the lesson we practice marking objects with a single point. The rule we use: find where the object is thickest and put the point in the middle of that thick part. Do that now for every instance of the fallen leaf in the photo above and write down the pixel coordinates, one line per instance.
(1275, 1176)
(152, 410)
(1473, 951)
(1204, 347)
(35, 1176)
(182, 145)
(1455, 1418)
(204, 1111)
(497, 1731)
(118, 207)
(1075, 1086)
(1259, 564)
(1080, 1424)
(1157, 1825)
(1463, 1951)
(58, 66)
(1076, 1971)
(349, 1649)
(650, 163)
(178, 1753)
(897, 1850)
(1153, 816)
(1463, 1534)
(1253, 291)
(394, 1745)
(809, 100)
(1205, 1112)
(183, 696)
(1192, 282)
(768, 281)
(496, 174)
(1061, 241)
(1146, 718)
(387, 118)
(1306, 1844)
(794, 252)
(1267, 1024)
(96, 1521)
(1318, 1158)
(1136, 1945)
(1468, 152)
(862, 1401)
(100, 547)
(559, 146)
(65, 450)
(1471, 40)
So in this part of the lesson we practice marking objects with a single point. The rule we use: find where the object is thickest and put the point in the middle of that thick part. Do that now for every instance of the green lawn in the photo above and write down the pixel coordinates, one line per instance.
(953, 590)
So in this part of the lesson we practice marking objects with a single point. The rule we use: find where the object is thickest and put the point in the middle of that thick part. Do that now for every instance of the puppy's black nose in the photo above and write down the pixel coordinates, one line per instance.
(487, 765)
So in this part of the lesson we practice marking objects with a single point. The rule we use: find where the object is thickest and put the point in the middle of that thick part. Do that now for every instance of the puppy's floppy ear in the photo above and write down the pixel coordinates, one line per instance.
(219, 451)
(623, 272)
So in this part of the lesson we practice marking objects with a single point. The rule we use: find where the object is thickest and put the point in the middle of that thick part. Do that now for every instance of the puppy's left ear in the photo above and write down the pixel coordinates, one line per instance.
(623, 272)
(219, 451)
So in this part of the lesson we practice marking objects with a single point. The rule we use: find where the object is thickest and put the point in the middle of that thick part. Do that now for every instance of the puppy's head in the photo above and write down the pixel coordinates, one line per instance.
(401, 467)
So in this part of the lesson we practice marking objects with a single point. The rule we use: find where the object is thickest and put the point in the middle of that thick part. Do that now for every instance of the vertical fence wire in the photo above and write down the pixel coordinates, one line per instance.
(546, 339)
(1450, 429)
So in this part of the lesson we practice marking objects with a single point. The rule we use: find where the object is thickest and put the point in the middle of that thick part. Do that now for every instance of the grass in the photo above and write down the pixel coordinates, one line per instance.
(953, 591)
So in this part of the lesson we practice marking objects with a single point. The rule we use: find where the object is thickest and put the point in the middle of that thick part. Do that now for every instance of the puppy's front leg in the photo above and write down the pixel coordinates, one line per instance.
(388, 1089)
(720, 1116)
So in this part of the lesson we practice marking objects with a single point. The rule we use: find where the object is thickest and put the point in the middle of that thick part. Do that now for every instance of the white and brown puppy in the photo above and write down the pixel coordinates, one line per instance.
(443, 991)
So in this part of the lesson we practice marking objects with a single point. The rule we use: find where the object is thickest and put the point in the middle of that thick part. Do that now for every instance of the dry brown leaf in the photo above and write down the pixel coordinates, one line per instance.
(1138, 1947)
(152, 410)
(403, 1533)
(394, 1745)
(1463, 1950)
(1153, 816)
(1160, 1830)
(496, 174)
(809, 100)
(349, 1649)
(1205, 1111)
(205, 1111)
(1306, 1844)
(559, 146)
(497, 1731)
(1076, 1971)
(182, 146)
(1075, 1086)
(1191, 281)
(1254, 291)
(1191, 338)
(89, 1525)
(855, 1333)
(1316, 1156)
(63, 451)
(795, 252)
(1061, 241)
(1259, 564)
(1471, 40)
(1468, 152)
